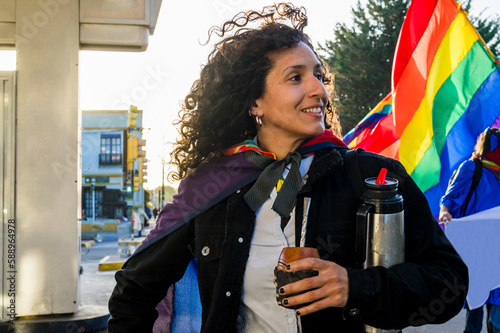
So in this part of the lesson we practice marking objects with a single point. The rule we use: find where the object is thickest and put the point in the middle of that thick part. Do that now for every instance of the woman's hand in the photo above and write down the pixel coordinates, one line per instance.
(331, 286)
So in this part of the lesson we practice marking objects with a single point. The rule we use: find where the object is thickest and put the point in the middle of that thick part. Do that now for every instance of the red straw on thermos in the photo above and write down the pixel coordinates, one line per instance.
(381, 176)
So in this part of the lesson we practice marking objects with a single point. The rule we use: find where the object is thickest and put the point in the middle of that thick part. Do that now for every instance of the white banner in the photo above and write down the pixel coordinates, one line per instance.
(477, 239)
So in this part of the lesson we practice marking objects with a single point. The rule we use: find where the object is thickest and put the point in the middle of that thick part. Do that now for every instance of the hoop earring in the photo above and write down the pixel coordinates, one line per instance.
(258, 120)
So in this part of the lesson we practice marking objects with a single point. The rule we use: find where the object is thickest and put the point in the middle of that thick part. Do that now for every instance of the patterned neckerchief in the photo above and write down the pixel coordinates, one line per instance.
(272, 174)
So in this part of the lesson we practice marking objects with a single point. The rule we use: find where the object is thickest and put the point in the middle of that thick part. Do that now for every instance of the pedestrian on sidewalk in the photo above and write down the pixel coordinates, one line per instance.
(144, 218)
(155, 212)
(137, 224)
(476, 187)
(147, 213)
(258, 139)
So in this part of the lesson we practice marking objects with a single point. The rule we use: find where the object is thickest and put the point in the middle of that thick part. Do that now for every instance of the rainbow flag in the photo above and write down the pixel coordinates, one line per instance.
(376, 131)
(445, 92)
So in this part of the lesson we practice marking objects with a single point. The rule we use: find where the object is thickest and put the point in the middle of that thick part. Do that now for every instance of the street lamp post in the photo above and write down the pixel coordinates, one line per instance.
(92, 186)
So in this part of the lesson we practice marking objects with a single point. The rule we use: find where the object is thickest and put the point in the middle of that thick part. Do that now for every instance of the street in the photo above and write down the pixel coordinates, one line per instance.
(96, 286)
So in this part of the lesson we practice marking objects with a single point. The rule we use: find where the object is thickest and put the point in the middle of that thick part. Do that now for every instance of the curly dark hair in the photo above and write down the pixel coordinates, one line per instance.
(214, 115)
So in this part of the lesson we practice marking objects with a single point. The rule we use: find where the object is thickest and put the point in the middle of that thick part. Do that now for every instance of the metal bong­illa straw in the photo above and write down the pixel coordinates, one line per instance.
(307, 203)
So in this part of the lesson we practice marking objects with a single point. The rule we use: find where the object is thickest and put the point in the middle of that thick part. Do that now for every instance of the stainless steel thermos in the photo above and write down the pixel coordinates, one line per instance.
(380, 228)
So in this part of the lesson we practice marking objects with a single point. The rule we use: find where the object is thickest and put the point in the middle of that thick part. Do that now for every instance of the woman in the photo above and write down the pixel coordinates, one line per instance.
(466, 196)
(239, 201)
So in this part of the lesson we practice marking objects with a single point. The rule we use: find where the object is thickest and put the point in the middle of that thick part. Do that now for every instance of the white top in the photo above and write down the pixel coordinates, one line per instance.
(260, 312)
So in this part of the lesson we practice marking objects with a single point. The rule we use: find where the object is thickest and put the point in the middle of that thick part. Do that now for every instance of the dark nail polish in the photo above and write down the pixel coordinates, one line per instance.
(287, 267)
(297, 313)
(285, 301)
(282, 291)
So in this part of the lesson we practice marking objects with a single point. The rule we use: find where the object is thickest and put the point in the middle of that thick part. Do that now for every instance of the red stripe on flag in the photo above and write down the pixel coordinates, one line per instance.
(409, 37)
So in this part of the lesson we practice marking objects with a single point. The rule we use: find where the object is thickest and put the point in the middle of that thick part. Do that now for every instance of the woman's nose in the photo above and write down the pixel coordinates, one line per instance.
(316, 88)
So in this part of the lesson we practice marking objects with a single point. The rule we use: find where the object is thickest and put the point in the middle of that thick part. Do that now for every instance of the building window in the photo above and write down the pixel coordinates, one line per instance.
(91, 202)
(111, 149)
(107, 203)
(113, 203)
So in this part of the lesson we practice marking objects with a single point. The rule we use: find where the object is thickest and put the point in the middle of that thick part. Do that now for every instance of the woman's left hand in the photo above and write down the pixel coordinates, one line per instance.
(330, 286)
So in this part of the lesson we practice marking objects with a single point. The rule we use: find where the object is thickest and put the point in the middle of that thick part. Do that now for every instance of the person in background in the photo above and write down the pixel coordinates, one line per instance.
(258, 137)
(462, 200)
(137, 225)
(155, 212)
(144, 217)
(148, 214)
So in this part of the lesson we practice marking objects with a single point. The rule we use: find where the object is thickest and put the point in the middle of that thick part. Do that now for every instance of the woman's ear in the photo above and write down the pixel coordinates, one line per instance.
(256, 110)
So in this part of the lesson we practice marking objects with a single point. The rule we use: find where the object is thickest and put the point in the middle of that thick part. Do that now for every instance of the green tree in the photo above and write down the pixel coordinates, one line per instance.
(169, 192)
(487, 26)
(361, 56)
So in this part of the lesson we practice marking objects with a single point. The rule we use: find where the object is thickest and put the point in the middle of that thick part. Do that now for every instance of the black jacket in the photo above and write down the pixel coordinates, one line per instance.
(430, 287)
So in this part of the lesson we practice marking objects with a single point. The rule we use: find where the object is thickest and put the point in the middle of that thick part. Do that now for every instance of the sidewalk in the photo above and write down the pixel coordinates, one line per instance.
(96, 285)
(98, 274)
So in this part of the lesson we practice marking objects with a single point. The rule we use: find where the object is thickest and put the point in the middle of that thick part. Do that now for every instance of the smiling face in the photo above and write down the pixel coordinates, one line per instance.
(294, 100)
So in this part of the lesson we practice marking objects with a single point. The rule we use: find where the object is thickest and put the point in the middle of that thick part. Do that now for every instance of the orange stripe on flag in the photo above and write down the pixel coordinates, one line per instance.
(410, 90)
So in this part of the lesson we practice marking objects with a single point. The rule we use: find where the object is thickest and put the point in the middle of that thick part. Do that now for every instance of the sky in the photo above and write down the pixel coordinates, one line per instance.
(158, 79)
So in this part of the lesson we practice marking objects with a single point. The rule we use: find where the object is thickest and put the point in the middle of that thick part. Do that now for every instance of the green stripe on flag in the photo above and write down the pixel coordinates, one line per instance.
(448, 107)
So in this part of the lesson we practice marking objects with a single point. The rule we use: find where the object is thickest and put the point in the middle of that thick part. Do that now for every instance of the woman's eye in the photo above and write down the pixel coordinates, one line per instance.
(319, 76)
(295, 78)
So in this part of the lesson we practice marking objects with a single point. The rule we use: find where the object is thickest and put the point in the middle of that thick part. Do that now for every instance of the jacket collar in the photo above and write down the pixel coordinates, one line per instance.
(325, 161)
